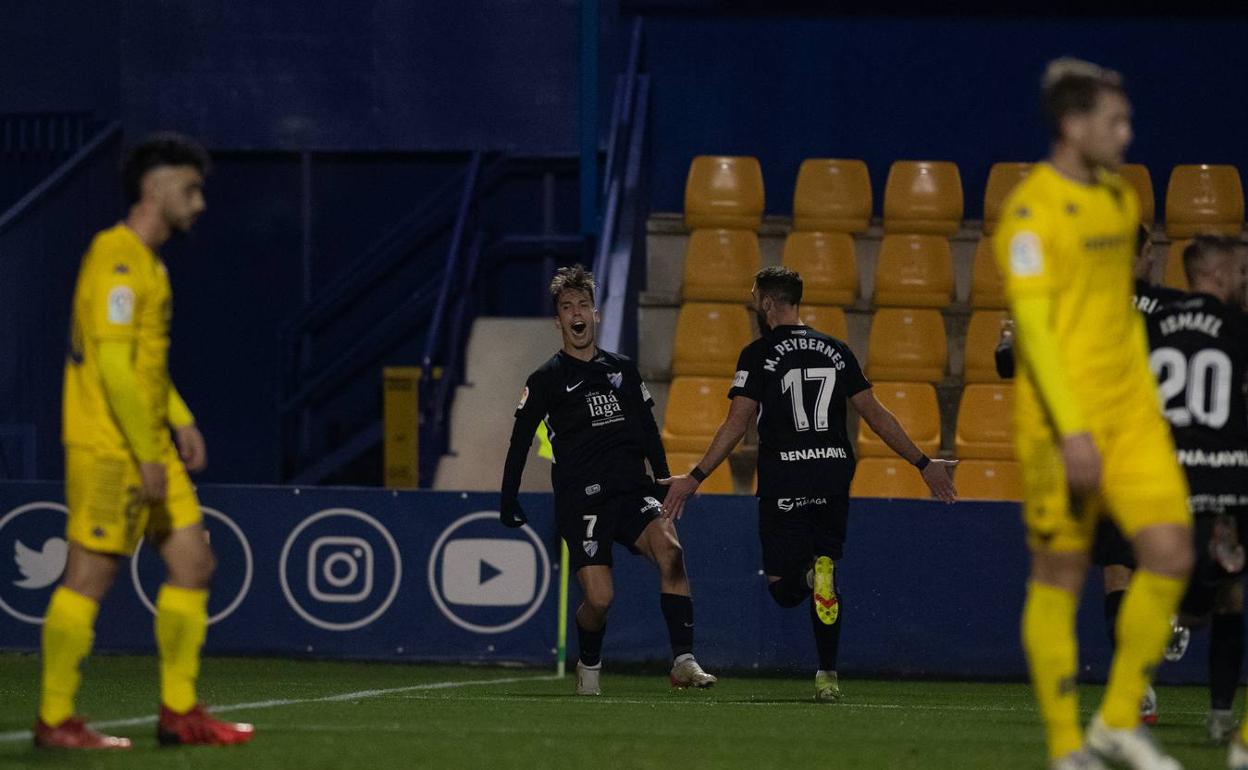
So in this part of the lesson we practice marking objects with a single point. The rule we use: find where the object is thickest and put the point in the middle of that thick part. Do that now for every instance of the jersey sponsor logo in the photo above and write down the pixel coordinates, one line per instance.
(570, 388)
(593, 489)
(1198, 458)
(1104, 242)
(789, 503)
(591, 547)
(605, 408)
(818, 453)
(1205, 323)
(1025, 255)
(616, 379)
(739, 380)
(121, 306)
(524, 397)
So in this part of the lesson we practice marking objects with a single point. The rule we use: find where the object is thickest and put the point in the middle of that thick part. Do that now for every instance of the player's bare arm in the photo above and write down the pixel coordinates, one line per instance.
(731, 431)
(934, 470)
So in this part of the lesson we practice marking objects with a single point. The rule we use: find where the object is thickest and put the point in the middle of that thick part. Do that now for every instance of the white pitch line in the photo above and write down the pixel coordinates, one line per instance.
(25, 735)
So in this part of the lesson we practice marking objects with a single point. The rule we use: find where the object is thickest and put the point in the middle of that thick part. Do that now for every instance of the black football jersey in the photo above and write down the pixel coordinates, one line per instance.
(1199, 355)
(1149, 298)
(801, 380)
(599, 421)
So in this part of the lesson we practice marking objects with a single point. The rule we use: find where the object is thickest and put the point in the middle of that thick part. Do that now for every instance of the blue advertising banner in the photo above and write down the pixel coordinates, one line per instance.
(927, 589)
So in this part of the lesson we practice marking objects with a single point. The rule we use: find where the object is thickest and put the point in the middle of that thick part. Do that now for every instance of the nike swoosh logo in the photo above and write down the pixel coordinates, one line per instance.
(571, 388)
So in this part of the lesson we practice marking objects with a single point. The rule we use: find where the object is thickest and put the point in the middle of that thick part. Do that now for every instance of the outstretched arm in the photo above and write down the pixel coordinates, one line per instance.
(883, 422)
(679, 488)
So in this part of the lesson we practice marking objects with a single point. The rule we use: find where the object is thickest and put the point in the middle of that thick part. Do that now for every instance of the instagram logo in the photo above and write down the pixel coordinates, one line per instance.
(345, 572)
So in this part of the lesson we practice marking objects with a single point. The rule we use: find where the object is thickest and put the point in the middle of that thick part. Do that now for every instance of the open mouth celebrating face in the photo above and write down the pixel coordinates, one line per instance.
(578, 327)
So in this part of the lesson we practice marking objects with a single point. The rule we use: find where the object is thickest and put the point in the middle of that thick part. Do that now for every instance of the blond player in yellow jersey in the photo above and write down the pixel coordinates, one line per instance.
(124, 476)
(1089, 431)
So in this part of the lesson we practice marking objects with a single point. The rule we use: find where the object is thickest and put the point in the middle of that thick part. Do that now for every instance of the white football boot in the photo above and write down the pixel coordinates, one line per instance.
(1078, 760)
(687, 673)
(587, 679)
(1135, 749)
(1220, 725)
(1237, 757)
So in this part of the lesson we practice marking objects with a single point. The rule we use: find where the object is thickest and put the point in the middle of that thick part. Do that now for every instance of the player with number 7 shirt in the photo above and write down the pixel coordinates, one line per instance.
(796, 381)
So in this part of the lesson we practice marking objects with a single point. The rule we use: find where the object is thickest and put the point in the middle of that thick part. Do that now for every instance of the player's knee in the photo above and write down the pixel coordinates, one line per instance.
(195, 571)
(598, 601)
(672, 560)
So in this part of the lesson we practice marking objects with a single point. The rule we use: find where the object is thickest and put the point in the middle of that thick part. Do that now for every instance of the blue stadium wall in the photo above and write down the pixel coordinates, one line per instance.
(392, 94)
(928, 590)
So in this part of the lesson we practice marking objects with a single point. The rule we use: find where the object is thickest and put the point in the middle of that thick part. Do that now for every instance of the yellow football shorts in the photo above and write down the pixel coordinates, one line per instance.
(1142, 484)
(106, 512)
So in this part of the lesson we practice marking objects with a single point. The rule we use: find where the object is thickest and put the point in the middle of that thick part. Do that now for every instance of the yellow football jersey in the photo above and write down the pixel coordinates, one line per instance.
(122, 294)
(1075, 243)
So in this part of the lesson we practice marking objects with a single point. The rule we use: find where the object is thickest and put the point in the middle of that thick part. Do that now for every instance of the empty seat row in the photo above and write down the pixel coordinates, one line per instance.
(974, 480)
(913, 270)
(697, 405)
(904, 344)
(925, 197)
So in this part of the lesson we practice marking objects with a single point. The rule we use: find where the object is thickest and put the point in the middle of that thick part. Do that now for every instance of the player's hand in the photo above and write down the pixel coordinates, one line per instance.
(191, 447)
(937, 477)
(1083, 464)
(679, 489)
(511, 514)
(152, 476)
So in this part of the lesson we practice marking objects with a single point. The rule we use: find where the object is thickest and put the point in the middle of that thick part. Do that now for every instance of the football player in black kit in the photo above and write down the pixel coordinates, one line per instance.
(1199, 355)
(597, 414)
(800, 379)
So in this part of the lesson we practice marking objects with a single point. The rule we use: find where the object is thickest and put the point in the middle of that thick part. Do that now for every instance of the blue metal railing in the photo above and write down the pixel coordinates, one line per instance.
(60, 175)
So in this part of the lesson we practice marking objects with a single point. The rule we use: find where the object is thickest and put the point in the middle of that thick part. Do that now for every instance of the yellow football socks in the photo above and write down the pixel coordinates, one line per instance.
(67, 636)
(1143, 628)
(181, 624)
(1052, 655)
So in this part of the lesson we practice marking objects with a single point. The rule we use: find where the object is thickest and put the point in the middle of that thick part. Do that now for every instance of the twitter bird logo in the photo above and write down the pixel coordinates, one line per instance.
(41, 568)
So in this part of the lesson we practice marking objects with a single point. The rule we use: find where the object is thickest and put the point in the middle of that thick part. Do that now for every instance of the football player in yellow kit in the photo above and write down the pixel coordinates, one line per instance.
(124, 476)
(1089, 431)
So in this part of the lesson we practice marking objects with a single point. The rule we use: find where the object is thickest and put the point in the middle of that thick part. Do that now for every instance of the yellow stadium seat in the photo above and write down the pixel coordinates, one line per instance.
(718, 483)
(914, 404)
(832, 195)
(826, 319)
(982, 335)
(720, 265)
(914, 271)
(1001, 180)
(696, 406)
(888, 477)
(987, 285)
(827, 265)
(1138, 177)
(988, 480)
(907, 345)
(923, 197)
(985, 423)
(723, 191)
(1175, 276)
(1204, 199)
(709, 338)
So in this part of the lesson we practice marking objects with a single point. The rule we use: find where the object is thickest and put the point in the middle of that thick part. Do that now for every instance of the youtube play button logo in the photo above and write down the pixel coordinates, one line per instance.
(489, 572)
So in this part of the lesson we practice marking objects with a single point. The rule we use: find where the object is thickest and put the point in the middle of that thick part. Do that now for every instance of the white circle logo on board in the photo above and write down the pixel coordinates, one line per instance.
(488, 584)
(216, 524)
(33, 552)
(340, 569)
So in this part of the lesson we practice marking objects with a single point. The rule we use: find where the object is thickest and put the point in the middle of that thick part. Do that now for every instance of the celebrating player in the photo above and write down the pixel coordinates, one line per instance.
(1088, 431)
(1200, 355)
(123, 474)
(597, 413)
(801, 379)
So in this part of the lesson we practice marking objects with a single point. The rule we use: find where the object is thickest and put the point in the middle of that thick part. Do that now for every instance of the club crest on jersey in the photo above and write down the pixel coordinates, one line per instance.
(591, 547)
(617, 379)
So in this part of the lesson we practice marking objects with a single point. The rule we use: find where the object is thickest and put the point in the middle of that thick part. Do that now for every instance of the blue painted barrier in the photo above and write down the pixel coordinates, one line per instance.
(928, 590)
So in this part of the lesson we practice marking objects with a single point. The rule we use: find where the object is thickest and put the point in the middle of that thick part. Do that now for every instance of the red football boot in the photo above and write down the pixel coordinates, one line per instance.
(73, 733)
(198, 728)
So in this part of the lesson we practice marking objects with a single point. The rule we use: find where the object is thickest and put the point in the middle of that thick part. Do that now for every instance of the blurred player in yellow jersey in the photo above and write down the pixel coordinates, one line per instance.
(124, 476)
(1089, 431)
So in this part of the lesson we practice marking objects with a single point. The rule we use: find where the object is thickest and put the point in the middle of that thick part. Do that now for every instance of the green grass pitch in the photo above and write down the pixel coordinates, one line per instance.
(312, 714)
